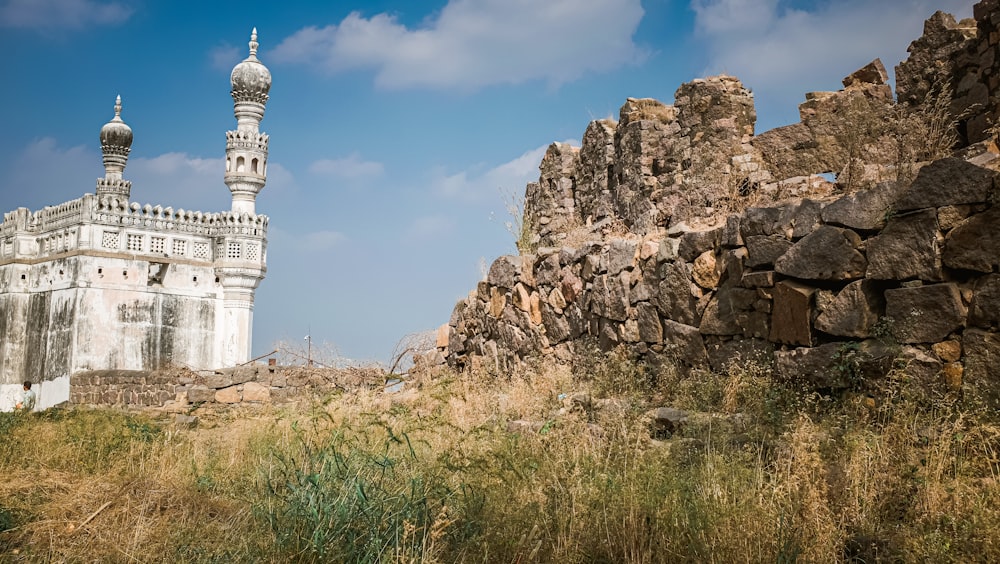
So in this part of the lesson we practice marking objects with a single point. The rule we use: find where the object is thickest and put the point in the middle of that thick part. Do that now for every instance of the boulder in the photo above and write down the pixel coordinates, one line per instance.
(925, 314)
(908, 247)
(829, 253)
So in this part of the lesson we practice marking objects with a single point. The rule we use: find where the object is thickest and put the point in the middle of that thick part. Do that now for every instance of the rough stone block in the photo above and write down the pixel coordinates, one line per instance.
(621, 255)
(720, 318)
(218, 381)
(792, 314)
(677, 296)
(694, 243)
(252, 391)
(199, 394)
(649, 326)
(948, 182)
(763, 279)
(829, 253)
(982, 362)
(975, 243)
(739, 354)
(763, 250)
(948, 351)
(244, 373)
(685, 343)
(853, 311)
(907, 248)
(984, 311)
(548, 271)
(925, 314)
(504, 271)
(706, 270)
(609, 298)
(823, 366)
(228, 395)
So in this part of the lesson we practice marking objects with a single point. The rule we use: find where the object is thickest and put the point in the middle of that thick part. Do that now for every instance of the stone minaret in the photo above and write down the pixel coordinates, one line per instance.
(241, 246)
(116, 143)
(246, 148)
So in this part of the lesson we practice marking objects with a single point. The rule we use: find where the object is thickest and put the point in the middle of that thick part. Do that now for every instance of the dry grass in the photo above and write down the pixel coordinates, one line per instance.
(760, 473)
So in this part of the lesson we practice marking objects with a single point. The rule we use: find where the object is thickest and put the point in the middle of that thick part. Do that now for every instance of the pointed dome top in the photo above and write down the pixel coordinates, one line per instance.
(116, 135)
(250, 79)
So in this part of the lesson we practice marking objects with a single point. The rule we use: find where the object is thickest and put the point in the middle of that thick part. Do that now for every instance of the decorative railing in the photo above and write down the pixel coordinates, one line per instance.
(57, 228)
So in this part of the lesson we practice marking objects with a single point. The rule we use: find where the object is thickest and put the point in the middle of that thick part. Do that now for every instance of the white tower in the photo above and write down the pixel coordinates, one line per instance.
(116, 143)
(246, 148)
(241, 248)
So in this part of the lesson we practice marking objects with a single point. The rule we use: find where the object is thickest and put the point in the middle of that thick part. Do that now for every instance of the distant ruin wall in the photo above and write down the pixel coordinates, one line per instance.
(250, 384)
(679, 236)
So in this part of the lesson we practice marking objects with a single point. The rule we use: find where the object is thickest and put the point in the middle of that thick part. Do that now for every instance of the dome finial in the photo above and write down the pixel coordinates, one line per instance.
(253, 42)
(118, 106)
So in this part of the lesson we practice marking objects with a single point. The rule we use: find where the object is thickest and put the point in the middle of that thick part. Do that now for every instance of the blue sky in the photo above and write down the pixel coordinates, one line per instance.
(396, 127)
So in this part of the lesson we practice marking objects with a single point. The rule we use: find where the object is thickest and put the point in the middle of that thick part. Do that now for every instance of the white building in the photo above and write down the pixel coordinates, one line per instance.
(102, 282)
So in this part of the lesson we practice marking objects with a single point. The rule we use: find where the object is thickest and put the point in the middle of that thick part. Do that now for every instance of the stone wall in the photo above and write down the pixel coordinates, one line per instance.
(795, 283)
(679, 236)
(249, 384)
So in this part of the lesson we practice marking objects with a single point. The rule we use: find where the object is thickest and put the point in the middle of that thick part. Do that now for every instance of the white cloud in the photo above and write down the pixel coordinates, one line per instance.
(782, 52)
(428, 228)
(470, 44)
(224, 56)
(351, 167)
(30, 180)
(61, 14)
(184, 181)
(477, 184)
(319, 241)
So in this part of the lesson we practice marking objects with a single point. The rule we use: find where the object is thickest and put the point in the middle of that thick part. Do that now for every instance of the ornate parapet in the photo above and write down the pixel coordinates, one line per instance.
(113, 224)
(247, 140)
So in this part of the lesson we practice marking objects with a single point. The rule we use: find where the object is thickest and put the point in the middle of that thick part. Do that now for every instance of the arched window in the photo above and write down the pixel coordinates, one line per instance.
(253, 166)
(240, 164)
